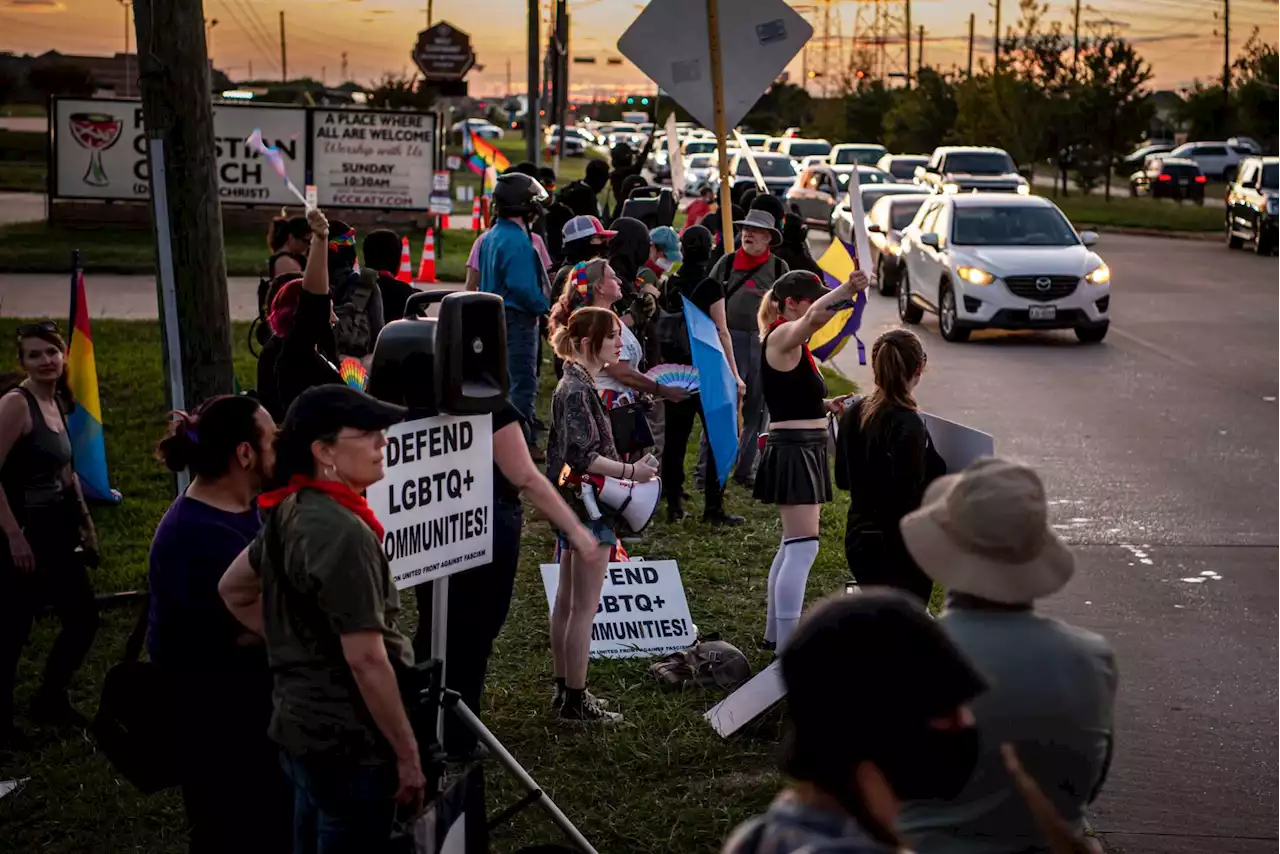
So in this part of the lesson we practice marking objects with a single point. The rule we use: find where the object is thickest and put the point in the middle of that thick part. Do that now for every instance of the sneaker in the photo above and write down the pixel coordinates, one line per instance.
(589, 712)
(720, 517)
(557, 699)
(766, 645)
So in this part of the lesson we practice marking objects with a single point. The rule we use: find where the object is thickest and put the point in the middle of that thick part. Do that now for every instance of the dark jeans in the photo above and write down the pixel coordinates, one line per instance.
(679, 426)
(61, 580)
(877, 560)
(522, 365)
(340, 807)
(479, 600)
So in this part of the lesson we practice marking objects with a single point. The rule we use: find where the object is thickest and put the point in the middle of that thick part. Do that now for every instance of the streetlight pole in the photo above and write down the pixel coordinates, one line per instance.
(128, 30)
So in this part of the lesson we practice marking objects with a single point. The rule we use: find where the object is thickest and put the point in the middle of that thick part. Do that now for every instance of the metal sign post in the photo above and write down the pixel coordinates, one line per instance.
(168, 289)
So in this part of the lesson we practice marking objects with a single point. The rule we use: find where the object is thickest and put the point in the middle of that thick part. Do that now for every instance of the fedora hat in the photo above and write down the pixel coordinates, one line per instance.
(764, 221)
(985, 532)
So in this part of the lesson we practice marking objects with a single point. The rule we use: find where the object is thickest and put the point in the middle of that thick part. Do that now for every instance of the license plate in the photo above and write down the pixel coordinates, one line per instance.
(1043, 312)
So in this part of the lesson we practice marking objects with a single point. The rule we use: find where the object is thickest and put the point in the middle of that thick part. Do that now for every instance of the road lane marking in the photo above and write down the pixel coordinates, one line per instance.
(1156, 348)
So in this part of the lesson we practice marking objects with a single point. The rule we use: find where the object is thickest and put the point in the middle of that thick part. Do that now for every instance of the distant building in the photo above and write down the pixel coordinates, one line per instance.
(115, 75)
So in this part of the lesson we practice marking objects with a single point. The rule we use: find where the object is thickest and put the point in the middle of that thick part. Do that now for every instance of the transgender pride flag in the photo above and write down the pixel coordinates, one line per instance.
(85, 423)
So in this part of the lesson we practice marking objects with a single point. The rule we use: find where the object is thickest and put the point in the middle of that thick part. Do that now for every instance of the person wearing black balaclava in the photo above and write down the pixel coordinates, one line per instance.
(625, 164)
(867, 730)
(629, 185)
(795, 235)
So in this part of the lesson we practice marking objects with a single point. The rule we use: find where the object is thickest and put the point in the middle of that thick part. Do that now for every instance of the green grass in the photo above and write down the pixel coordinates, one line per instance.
(37, 247)
(1126, 212)
(22, 176)
(26, 110)
(664, 782)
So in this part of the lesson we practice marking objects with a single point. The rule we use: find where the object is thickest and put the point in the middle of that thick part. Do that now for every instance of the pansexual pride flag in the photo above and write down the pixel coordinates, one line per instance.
(837, 263)
(85, 423)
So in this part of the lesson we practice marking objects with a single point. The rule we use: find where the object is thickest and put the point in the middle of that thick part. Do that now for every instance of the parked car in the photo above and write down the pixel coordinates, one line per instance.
(818, 188)
(573, 144)
(1003, 261)
(756, 141)
(482, 128)
(1246, 145)
(850, 153)
(1164, 177)
(1135, 159)
(967, 169)
(1251, 205)
(885, 222)
(778, 171)
(902, 167)
(697, 169)
(798, 148)
(842, 216)
(1215, 159)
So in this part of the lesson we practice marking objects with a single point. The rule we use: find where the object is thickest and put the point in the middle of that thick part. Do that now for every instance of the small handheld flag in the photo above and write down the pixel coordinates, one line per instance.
(275, 159)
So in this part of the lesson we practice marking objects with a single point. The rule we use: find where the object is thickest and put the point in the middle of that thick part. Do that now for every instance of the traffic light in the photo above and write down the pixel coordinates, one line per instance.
(644, 101)
(631, 100)
(860, 74)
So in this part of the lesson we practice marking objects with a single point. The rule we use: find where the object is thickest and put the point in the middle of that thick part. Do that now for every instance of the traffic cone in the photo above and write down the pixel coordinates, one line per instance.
(406, 263)
(475, 216)
(444, 221)
(427, 270)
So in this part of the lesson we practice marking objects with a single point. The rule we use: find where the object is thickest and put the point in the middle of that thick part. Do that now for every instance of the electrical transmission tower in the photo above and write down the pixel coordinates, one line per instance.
(823, 59)
(881, 40)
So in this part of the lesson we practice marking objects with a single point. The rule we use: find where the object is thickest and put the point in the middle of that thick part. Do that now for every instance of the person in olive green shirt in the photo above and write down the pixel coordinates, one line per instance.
(316, 585)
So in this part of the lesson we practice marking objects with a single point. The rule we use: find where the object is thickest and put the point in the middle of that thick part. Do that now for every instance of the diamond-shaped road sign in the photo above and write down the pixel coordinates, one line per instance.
(758, 38)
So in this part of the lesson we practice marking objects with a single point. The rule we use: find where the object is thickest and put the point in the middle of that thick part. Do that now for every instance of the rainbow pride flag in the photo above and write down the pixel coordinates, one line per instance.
(837, 263)
(85, 423)
(488, 154)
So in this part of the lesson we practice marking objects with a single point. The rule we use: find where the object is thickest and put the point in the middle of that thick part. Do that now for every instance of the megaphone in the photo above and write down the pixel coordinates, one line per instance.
(635, 502)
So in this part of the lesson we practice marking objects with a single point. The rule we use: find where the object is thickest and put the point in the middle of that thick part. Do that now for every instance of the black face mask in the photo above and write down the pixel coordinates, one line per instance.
(929, 763)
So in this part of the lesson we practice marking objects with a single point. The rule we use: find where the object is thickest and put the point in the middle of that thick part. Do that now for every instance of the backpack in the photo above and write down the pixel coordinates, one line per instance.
(353, 331)
(710, 663)
(260, 328)
(673, 335)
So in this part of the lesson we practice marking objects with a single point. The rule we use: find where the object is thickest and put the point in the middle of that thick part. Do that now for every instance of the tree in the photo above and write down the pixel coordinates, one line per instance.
(1255, 74)
(1114, 101)
(9, 85)
(922, 117)
(1204, 112)
(783, 105)
(865, 109)
(397, 92)
(61, 78)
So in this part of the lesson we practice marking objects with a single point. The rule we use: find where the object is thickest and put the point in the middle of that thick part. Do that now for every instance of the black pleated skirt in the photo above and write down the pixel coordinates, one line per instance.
(793, 468)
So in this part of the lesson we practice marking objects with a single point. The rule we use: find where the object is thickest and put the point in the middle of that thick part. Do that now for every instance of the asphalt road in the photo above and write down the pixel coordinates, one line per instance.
(1159, 452)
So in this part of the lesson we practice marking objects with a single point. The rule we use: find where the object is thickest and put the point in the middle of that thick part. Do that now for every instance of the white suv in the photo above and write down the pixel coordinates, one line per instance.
(999, 261)
(1215, 159)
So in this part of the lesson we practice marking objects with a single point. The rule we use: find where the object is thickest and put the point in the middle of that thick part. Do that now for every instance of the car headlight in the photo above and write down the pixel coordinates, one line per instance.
(975, 275)
(1024, 189)
(950, 188)
(1099, 276)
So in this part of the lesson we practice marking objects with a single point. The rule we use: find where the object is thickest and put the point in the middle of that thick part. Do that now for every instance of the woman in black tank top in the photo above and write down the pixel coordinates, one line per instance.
(46, 533)
(793, 472)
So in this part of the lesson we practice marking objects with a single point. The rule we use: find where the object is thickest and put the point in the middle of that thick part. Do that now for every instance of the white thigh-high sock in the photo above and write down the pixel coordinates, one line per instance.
(770, 612)
(798, 557)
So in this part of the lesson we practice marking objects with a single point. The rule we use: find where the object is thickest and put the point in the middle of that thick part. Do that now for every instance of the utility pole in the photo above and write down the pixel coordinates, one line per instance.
(919, 53)
(344, 68)
(128, 76)
(531, 119)
(561, 102)
(1075, 42)
(969, 71)
(430, 13)
(1226, 55)
(183, 170)
(907, 68)
(284, 59)
(996, 44)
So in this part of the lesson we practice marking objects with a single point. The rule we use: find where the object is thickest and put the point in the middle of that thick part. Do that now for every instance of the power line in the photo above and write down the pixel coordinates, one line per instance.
(258, 47)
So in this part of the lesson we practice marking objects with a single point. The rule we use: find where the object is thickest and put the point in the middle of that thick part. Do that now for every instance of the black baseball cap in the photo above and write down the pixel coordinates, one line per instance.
(322, 411)
(799, 285)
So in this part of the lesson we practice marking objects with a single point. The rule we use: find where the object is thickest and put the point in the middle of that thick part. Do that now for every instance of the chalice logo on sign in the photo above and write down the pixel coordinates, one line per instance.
(96, 132)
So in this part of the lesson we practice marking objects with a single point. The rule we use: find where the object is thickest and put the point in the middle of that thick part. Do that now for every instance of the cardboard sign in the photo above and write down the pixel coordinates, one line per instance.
(642, 609)
(436, 499)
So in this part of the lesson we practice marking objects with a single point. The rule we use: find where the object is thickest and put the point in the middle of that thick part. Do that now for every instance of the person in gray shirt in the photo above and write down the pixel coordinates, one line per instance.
(984, 535)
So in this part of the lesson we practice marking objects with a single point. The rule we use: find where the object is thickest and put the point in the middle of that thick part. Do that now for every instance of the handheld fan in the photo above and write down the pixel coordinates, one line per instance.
(354, 373)
(680, 376)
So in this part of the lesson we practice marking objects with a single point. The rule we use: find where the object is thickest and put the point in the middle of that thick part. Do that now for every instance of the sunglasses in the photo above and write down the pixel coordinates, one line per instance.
(26, 330)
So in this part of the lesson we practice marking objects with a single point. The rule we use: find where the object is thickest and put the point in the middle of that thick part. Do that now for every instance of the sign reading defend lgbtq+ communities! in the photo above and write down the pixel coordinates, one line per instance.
(642, 610)
(435, 500)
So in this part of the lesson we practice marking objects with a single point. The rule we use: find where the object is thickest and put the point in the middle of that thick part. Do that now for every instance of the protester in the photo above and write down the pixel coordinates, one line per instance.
(700, 207)
(357, 299)
(877, 701)
(49, 537)
(628, 253)
(381, 249)
(690, 282)
(629, 185)
(302, 352)
(794, 473)
(472, 282)
(582, 197)
(582, 442)
(316, 585)
(984, 535)
(584, 238)
(885, 459)
(664, 258)
(557, 217)
(480, 598)
(216, 670)
(626, 164)
(288, 238)
(510, 268)
(746, 277)
(794, 248)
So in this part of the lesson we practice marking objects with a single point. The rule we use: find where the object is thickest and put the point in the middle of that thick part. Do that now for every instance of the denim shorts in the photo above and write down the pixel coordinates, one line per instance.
(602, 529)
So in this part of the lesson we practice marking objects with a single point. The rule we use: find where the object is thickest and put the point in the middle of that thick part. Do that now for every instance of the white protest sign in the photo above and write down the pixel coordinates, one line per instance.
(436, 498)
(642, 609)
(960, 446)
(374, 159)
(758, 695)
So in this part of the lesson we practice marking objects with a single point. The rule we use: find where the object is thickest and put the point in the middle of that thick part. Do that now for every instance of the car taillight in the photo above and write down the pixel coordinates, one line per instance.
(1200, 179)
(1164, 177)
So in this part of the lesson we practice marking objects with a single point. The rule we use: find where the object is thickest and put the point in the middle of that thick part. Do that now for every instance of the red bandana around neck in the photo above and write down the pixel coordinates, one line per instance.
(803, 347)
(339, 492)
(743, 261)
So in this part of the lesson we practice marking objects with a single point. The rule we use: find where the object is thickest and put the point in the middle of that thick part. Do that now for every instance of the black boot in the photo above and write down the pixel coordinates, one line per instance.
(675, 509)
(718, 516)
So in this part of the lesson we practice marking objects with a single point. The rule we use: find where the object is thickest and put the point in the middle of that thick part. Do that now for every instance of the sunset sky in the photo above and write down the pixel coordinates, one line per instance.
(1176, 36)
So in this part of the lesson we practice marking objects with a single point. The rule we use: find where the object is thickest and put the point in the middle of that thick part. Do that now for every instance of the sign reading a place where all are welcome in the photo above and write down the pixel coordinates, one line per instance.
(435, 500)
(642, 610)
